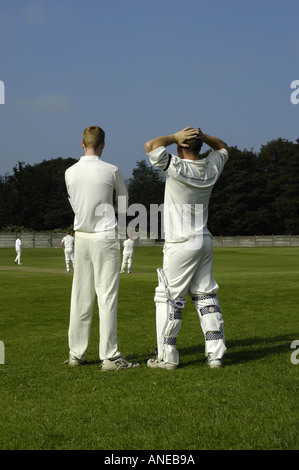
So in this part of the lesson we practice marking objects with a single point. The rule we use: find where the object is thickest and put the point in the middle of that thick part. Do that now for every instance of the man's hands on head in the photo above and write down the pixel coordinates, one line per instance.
(214, 142)
(182, 136)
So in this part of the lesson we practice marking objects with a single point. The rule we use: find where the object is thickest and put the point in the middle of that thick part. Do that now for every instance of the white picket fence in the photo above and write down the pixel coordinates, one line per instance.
(53, 240)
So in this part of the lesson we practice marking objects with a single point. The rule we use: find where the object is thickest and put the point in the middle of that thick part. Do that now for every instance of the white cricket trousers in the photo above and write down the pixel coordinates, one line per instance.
(97, 264)
(18, 257)
(127, 260)
(190, 272)
(69, 257)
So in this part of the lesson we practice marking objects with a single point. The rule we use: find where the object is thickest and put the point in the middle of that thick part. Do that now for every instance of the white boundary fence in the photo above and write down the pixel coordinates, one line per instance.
(32, 239)
(256, 241)
(53, 240)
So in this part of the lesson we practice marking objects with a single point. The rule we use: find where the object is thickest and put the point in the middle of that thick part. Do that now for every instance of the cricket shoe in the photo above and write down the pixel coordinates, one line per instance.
(74, 361)
(155, 363)
(214, 363)
(118, 363)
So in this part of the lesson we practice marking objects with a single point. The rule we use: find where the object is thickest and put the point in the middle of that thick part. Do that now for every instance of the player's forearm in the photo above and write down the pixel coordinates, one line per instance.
(214, 142)
(180, 138)
(163, 141)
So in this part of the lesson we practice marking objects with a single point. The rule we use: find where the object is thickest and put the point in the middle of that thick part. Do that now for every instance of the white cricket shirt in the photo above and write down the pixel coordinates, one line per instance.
(91, 185)
(18, 244)
(129, 246)
(189, 184)
(68, 242)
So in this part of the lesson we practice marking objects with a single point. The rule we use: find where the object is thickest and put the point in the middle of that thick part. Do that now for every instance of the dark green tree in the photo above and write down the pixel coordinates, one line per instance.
(235, 205)
(37, 197)
(278, 162)
(256, 193)
(8, 198)
(146, 187)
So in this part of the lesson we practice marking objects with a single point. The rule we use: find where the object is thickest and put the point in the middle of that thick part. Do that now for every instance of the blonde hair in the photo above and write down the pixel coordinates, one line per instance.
(93, 136)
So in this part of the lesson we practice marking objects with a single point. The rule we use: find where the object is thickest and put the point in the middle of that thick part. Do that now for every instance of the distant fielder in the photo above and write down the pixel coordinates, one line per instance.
(128, 254)
(68, 244)
(188, 251)
(18, 247)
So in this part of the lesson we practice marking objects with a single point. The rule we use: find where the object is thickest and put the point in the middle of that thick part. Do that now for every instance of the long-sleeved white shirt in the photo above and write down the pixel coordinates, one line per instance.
(93, 185)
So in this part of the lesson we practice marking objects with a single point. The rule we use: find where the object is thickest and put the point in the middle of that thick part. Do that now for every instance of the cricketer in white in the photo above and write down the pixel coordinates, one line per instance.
(68, 244)
(92, 183)
(187, 258)
(128, 254)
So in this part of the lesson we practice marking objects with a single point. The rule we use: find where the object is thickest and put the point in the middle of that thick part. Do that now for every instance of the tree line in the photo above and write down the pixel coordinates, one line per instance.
(257, 193)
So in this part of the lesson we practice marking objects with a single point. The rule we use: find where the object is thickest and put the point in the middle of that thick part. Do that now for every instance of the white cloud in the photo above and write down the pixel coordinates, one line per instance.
(31, 13)
(52, 103)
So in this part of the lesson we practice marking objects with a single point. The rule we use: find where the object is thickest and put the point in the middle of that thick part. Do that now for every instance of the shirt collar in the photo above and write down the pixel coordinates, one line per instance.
(86, 158)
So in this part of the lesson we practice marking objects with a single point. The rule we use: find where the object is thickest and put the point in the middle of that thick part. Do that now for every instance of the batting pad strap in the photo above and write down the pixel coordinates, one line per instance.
(210, 309)
(176, 315)
(203, 297)
(170, 340)
(214, 335)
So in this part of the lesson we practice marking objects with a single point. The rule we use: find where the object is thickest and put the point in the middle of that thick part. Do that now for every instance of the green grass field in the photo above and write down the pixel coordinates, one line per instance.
(252, 403)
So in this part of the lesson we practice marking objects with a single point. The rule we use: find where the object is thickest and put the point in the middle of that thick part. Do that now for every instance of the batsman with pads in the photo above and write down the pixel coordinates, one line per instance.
(188, 248)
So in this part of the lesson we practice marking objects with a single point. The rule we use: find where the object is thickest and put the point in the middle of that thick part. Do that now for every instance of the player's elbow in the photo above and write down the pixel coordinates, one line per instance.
(148, 147)
(222, 145)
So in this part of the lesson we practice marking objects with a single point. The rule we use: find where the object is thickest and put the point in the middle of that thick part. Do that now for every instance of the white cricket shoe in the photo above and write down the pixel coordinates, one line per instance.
(214, 363)
(118, 363)
(74, 361)
(154, 363)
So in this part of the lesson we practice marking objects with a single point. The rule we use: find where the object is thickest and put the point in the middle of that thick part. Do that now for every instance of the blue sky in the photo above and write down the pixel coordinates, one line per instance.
(142, 68)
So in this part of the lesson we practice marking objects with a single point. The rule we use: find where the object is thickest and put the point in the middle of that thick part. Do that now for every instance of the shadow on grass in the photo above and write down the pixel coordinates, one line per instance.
(243, 350)
(238, 351)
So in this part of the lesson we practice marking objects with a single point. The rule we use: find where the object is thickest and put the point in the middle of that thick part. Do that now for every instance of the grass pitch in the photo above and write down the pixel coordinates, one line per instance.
(252, 403)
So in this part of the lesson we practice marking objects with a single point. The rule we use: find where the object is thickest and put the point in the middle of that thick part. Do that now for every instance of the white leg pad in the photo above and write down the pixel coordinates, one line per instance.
(162, 312)
(172, 329)
(168, 320)
(212, 324)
